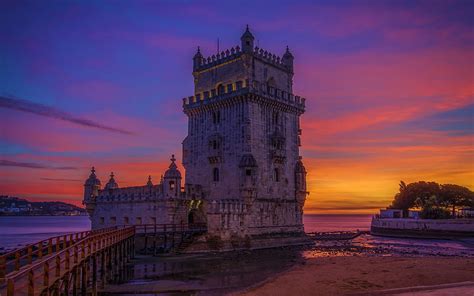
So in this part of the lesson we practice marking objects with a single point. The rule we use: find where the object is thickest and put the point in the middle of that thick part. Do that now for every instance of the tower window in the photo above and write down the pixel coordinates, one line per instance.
(276, 175)
(248, 172)
(238, 85)
(172, 185)
(215, 175)
(216, 117)
(229, 88)
(220, 89)
(275, 117)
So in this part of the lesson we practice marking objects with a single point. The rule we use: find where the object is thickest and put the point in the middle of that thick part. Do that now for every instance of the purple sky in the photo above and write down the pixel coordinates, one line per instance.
(389, 88)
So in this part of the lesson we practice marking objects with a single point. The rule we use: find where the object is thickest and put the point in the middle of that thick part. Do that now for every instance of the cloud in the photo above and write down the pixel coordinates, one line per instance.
(32, 165)
(60, 180)
(43, 110)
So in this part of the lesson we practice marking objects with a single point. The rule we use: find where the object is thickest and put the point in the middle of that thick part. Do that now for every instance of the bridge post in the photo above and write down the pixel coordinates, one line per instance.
(10, 287)
(109, 263)
(40, 250)
(66, 285)
(116, 263)
(173, 234)
(133, 247)
(30, 255)
(46, 275)
(102, 268)
(165, 236)
(3, 268)
(50, 246)
(84, 278)
(58, 266)
(74, 281)
(31, 283)
(94, 275)
(57, 244)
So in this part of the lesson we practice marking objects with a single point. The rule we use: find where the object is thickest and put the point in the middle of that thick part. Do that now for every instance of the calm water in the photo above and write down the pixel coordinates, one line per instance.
(217, 274)
(16, 231)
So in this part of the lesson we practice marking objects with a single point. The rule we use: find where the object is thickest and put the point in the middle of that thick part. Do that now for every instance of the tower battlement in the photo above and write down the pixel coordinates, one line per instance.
(242, 66)
(204, 63)
(277, 96)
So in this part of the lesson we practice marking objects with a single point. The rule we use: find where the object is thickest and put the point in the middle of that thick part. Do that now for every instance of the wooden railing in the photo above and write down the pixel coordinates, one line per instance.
(15, 260)
(35, 271)
(169, 228)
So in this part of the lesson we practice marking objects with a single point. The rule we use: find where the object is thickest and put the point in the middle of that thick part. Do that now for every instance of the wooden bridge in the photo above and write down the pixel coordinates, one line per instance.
(83, 262)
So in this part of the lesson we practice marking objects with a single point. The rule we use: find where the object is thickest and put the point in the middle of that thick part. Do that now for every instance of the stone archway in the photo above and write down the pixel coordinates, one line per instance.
(196, 219)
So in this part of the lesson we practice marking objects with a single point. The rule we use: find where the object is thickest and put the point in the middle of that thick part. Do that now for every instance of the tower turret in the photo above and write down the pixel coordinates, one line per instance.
(300, 182)
(149, 183)
(91, 191)
(247, 41)
(111, 184)
(172, 180)
(287, 60)
(197, 59)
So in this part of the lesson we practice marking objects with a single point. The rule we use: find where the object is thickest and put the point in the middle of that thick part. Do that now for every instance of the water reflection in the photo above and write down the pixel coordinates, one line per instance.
(210, 274)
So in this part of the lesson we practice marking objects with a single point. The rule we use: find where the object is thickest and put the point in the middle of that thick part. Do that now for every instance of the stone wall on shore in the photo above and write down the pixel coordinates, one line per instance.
(422, 227)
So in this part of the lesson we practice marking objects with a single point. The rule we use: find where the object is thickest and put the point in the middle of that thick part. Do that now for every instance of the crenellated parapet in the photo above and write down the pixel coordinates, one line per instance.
(128, 194)
(202, 63)
(262, 90)
(270, 58)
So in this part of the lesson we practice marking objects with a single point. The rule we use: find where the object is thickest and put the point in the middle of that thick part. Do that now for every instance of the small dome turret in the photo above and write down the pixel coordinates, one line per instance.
(197, 59)
(247, 40)
(92, 180)
(111, 184)
(299, 166)
(149, 183)
(172, 171)
(288, 59)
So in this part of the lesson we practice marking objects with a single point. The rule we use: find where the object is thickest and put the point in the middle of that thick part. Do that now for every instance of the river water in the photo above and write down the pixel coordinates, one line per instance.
(18, 231)
(217, 274)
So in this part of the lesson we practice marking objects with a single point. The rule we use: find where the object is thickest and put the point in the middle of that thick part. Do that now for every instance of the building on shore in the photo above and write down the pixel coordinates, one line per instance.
(390, 222)
(244, 174)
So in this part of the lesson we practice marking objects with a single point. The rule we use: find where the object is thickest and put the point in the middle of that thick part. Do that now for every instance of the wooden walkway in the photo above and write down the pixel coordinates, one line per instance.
(80, 263)
(68, 264)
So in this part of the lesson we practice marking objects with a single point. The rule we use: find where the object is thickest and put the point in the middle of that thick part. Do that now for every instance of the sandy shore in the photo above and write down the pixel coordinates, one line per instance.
(359, 274)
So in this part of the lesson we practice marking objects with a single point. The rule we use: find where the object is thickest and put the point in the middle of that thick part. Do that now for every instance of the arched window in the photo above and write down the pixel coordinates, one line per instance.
(276, 175)
(216, 117)
(215, 175)
(171, 185)
(220, 89)
(275, 117)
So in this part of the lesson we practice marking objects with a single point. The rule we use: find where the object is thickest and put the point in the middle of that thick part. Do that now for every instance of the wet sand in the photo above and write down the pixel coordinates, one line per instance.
(361, 274)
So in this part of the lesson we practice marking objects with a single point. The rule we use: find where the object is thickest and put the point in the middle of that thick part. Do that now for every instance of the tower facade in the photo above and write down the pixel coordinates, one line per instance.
(241, 153)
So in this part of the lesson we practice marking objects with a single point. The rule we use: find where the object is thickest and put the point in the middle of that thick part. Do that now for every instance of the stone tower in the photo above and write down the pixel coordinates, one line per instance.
(241, 153)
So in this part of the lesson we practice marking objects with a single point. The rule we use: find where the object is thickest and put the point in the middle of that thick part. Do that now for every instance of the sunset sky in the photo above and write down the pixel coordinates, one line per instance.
(389, 88)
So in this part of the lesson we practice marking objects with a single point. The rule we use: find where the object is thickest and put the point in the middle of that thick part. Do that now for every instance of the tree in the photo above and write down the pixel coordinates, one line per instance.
(456, 196)
(414, 194)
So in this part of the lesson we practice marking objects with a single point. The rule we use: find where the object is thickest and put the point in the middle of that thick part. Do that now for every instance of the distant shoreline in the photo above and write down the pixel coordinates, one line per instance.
(43, 215)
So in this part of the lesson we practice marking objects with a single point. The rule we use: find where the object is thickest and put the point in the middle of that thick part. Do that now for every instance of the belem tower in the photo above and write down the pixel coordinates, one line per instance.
(244, 175)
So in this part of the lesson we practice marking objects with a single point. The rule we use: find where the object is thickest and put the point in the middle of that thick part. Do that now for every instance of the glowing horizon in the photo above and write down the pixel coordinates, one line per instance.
(389, 88)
